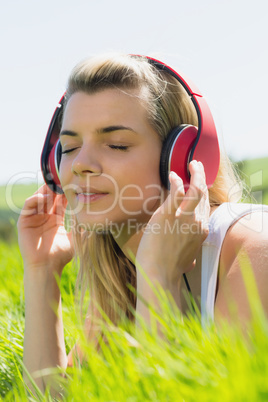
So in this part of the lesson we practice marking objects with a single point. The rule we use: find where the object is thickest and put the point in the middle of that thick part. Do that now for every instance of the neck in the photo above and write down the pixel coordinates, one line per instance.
(128, 238)
(129, 235)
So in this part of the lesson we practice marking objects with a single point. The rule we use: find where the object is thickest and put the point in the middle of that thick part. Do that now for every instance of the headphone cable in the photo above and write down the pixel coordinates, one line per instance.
(190, 294)
(187, 284)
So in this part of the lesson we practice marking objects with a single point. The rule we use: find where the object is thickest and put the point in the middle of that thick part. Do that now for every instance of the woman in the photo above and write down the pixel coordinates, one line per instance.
(118, 110)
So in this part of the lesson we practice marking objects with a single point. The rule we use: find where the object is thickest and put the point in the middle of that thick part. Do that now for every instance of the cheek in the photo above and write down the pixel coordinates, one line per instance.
(64, 172)
(65, 176)
(136, 200)
(154, 192)
(142, 193)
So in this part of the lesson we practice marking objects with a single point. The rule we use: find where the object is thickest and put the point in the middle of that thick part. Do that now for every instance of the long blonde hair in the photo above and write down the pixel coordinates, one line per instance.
(103, 267)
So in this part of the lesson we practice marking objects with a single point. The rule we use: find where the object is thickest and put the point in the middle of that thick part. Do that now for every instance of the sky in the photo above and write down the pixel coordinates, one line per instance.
(220, 44)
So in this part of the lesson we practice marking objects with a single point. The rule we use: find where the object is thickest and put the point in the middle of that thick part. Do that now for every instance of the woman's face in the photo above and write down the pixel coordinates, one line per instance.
(109, 169)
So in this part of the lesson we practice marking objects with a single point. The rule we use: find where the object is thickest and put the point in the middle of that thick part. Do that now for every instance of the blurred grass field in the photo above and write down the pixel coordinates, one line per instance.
(188, 364)
(12, 199)
(18, 192)
(254, 172)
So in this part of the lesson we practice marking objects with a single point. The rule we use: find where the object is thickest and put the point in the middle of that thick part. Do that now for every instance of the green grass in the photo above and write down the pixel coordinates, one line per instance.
(257, 170)
(15, 195)
(189, 364)
(254, 172)
(12, 199)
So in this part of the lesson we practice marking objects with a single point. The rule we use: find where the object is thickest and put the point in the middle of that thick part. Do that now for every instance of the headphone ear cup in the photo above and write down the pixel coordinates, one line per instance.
(51, 153)
(54, 159)
(175, 154)
(58, 155)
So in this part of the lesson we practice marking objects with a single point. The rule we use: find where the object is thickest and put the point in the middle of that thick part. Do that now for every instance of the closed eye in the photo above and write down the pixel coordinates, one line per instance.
(119, 147)
(67, 151)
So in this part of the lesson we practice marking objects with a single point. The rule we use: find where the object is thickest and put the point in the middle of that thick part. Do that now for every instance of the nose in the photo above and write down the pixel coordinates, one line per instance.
(86, 162)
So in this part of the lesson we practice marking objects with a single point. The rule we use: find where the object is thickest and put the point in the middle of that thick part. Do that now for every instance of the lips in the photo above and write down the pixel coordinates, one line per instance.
(87, 196)
(89, 191)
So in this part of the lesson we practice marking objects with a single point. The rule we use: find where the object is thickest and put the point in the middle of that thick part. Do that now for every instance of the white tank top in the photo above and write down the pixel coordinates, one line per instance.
(220, 221)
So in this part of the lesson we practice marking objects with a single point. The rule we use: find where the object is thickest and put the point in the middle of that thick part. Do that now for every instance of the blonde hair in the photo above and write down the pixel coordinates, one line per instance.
(103, 267)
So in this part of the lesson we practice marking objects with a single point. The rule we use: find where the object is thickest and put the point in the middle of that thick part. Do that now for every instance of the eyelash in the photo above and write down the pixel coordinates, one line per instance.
(68, 151)
(116, 147)
(119, 147)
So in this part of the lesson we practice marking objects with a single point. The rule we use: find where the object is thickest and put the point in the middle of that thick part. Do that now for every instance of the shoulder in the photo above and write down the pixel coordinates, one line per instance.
(249, 233)
(245, 246)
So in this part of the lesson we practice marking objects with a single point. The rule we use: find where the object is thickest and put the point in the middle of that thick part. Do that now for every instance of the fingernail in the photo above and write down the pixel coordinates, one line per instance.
(178, 212)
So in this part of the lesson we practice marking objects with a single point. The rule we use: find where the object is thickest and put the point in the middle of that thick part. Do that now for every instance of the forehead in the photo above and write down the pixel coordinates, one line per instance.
(107, 104)
(91, 114)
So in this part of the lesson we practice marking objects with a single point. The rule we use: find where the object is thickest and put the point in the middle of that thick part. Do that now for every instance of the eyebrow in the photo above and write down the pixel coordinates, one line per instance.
(68, 132)
(104, 130)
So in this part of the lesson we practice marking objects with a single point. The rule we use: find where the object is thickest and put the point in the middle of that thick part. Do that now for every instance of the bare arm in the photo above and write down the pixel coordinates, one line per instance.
(245, 246)
(46, 248)
(91, 332)
(146, 295)
(44, 338)
(171, 243)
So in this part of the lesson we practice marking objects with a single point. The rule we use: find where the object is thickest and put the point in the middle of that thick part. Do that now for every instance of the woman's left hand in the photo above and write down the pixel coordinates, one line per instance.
(174, 234)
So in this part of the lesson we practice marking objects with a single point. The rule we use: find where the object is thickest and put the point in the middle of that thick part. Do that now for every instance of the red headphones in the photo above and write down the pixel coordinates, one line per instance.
(182, 145)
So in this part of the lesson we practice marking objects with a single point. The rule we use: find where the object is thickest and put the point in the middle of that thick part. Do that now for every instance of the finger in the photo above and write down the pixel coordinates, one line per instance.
(59, 205)
(177, 192)
(197, 190)
(36, 204)
(44, 189)
(202, 214)
(40, 197)
(41, 201)
(71, 240)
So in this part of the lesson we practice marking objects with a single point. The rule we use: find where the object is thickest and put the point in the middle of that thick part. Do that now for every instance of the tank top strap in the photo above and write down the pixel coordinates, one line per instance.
(220, 221)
